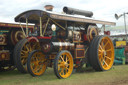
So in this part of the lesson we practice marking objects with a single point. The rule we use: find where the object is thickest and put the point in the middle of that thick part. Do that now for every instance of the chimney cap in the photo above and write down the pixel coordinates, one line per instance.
(49, 7)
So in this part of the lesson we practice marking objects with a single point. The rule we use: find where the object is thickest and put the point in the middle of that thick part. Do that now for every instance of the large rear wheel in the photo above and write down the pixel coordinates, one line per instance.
(63, 64)
(21, 53)
(101, 53)
(36, 63)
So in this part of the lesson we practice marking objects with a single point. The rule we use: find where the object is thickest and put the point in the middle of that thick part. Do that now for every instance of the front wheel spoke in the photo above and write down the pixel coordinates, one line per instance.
(66, 59)
(58, 68)
(99, 54)
(33, 62)
(36, 68)
(42, 59)
(60, 65)
(62, 58)
(37, 59)
(67, 64)
(44, 62)
(33, 66)
(40, 67)
(100, 51)
(62, 71)
(59, 61)
(66, 69)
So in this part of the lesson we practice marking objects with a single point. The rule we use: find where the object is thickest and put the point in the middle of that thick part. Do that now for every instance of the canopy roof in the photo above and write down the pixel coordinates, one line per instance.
(34, 15)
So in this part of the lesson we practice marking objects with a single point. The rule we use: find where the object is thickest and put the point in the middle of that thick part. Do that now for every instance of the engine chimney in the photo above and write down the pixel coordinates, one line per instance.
(49, 7)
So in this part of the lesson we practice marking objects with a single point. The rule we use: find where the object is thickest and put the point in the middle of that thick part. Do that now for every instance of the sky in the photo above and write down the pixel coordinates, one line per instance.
(102, 9)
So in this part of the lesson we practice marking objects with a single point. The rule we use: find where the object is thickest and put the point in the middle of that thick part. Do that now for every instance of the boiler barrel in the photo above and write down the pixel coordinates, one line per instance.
(62, 45)
(56, 46)
(69, 10)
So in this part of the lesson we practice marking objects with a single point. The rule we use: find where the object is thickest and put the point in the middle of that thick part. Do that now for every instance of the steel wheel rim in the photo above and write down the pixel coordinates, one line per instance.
(106, 53)
(65, 65)
(26, 49)
(38, 63)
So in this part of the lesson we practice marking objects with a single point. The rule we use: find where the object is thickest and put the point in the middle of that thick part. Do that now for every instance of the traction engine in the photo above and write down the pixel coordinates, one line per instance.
(62, 41)
(10, 35)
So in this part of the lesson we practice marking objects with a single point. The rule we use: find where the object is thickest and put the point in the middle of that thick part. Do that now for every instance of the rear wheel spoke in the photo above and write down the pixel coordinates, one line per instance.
(105, 44)
(108, 50)
(100, 47)
(105, 63)
(107, 57)
(100, 51)
(101, 60)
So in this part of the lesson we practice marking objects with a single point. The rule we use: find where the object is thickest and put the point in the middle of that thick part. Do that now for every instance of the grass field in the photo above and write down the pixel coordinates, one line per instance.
(118, 75)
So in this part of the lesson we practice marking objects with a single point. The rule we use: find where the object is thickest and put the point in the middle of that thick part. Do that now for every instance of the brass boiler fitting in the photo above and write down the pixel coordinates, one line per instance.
(63, 45)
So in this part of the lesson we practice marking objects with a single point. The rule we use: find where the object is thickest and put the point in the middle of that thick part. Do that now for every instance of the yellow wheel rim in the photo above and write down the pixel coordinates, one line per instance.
(38, 63)
(16, 36)
(90, 30)
(65, 65)
(106, 53)
(26, 49)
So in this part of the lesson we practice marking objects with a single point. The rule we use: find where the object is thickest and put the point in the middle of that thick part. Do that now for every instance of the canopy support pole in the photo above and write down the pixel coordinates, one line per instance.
(41, 27)
(22, 29)
(46, 26)
(27, 27)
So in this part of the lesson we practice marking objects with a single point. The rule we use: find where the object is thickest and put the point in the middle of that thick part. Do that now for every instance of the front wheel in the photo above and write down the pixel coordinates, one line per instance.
(36, 63)
(63, 64)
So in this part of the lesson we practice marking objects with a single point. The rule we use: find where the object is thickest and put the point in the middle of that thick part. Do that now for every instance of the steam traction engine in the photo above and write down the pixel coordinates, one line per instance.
(62, 41)
(10, 34)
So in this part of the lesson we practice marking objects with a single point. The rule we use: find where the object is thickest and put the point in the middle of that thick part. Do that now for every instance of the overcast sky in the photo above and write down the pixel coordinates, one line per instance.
(102, 9)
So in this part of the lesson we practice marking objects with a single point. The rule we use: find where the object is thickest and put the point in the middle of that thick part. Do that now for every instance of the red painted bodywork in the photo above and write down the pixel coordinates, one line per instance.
(85, 37)
(39, 37)
(36, 39)
(107, 32)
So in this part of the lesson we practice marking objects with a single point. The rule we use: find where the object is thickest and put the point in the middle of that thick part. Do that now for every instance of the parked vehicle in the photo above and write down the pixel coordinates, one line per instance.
(10, 34)
(62, 41)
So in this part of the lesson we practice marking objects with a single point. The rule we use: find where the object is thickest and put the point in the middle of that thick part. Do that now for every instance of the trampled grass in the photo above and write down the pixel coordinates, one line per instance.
(117, 75)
